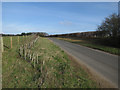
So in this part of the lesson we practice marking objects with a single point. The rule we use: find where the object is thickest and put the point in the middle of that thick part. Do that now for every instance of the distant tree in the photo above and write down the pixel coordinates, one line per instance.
(42, 34)
(23, 34)
(28, 33)
(109, 27)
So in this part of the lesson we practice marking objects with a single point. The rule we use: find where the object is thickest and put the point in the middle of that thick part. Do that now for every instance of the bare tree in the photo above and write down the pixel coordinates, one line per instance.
(109, 27)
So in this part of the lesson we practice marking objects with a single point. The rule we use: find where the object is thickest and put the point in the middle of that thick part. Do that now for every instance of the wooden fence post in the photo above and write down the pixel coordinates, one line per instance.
(30, 54)
(25, 54)
(2, 48)
(32, 57)
(11, 41)
(43, 62)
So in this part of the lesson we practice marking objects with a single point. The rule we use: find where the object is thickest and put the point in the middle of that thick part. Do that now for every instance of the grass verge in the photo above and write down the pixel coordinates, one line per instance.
(57, 70)
(93, 45)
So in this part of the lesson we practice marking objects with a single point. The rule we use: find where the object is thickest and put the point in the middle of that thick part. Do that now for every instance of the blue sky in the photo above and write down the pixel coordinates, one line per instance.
(54, 18)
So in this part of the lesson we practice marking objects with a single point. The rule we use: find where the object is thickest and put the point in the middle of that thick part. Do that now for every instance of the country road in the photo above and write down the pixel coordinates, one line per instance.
(106, 65)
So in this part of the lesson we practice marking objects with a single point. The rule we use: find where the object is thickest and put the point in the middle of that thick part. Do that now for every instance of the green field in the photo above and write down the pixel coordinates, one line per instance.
(53, 70)
(91, 44)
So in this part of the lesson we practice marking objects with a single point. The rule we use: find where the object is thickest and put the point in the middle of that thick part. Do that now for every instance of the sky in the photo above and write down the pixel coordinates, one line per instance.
(54, 17)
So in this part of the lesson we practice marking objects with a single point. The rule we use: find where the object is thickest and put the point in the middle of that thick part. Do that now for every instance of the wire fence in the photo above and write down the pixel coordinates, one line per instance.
(24, 46)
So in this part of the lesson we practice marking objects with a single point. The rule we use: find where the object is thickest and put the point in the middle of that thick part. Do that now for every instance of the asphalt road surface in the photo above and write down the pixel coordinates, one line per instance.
(103, 63)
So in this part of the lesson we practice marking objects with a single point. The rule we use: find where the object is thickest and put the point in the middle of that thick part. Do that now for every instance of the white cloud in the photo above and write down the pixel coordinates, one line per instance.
(66, 23)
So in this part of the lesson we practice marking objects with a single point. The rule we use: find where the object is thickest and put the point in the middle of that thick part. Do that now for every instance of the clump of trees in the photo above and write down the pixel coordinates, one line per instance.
(109, 27)
(108, 32)
(42, 34)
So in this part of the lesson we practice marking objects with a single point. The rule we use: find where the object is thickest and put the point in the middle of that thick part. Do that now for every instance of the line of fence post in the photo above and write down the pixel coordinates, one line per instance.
(26, 53)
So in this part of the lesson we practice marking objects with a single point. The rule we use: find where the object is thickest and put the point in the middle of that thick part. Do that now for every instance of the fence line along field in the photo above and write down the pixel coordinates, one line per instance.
(35, 62)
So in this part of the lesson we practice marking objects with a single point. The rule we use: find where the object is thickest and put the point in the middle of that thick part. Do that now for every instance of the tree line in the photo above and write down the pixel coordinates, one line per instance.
(42, 34)
(109, 27)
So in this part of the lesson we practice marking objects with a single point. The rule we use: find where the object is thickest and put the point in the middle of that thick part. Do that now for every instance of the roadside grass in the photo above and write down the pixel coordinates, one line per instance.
(57, 71)
(15, 71)
(93, 45)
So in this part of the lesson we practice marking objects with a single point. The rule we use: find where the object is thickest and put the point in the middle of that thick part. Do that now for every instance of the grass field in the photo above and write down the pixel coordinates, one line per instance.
(90, 44)
(57, 71)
